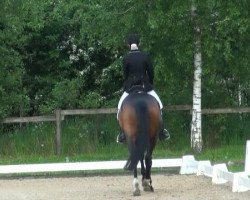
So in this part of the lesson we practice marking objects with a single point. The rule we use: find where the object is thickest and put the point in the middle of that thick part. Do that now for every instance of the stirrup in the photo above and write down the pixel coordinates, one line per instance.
(121, 138)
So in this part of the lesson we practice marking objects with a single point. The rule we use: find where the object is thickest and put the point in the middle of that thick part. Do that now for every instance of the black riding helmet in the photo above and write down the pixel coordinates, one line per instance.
(133, 38)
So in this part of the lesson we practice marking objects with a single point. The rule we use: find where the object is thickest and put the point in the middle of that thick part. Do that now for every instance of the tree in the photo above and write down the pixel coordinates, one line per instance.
(13, 96)
(196, 130)
(60, 54)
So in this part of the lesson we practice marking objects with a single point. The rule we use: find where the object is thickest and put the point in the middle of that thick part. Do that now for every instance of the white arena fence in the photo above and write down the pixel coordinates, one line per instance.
(219, 172)
(188, 165)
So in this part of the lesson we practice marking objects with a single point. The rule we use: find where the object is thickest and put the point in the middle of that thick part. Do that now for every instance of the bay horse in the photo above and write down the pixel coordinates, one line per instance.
(140, 119)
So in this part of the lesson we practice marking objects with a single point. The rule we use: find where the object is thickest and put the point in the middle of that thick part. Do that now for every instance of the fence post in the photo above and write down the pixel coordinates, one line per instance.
(247, 159)
(58, 132)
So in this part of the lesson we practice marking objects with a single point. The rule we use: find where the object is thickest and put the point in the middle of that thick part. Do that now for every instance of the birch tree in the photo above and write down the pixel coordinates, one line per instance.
(196, 130)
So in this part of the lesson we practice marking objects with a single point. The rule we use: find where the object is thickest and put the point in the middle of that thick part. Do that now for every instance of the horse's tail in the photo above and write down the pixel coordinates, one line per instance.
(138, 148)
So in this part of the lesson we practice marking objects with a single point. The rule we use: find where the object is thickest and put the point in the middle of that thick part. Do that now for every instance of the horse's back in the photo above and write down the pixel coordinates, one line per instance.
(138, 99)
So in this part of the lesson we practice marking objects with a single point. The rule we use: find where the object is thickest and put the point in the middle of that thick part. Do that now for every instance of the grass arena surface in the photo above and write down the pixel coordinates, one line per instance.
(115, 187)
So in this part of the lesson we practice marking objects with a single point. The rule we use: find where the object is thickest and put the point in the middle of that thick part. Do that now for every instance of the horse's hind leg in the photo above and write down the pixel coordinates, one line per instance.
(136, 190)
(143, 170)
(147, 182)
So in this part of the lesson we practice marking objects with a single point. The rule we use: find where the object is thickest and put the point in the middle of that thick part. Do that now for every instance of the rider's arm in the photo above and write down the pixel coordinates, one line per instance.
(150, 70)
(125, 69)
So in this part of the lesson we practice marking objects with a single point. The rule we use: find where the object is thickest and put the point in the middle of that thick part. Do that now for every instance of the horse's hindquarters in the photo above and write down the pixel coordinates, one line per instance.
(140, 120)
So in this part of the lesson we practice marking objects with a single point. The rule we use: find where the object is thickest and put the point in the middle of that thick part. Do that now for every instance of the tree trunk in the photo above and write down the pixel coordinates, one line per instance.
(239, 95)
(196, 130)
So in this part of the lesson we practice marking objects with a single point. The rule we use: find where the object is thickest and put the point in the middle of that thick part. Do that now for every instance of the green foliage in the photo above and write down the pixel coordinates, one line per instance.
(65, 55)
(225, 129)
(13, 96)
(61, 54)
(34, 139)
(226, 56)
(92, 100)
(61, 99)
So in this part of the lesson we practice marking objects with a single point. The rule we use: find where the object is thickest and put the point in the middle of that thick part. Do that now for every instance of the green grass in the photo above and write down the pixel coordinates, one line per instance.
(91, 138)
(232, 155)
(112, 152)
(224, 153)
(227, 154)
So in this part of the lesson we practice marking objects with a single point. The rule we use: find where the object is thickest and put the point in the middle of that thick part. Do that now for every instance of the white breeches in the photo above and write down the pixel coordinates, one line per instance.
(153, 93)
(125, 94)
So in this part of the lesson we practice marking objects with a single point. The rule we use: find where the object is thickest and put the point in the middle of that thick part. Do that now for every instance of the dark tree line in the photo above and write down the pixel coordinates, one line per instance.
(67, 54)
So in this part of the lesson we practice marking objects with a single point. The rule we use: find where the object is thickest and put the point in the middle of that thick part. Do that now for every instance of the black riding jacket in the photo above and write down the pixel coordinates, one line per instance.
(138, 70)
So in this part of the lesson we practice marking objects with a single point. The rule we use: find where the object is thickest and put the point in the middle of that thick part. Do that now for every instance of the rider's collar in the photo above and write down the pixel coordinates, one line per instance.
(133, 47)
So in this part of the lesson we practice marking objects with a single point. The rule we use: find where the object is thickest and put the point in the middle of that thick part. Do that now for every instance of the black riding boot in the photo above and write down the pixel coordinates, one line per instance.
(121, 138)
(164, 134)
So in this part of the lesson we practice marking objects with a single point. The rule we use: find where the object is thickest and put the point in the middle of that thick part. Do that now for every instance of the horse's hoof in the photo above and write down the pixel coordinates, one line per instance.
(137, 193)
(136, 187)
(146, 184)
(148, 188)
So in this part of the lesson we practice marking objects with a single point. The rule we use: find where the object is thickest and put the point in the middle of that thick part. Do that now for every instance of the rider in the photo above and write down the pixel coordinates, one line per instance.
(138, 70)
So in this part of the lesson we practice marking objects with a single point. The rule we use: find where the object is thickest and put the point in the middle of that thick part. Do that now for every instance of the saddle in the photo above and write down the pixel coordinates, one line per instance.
(137, 89)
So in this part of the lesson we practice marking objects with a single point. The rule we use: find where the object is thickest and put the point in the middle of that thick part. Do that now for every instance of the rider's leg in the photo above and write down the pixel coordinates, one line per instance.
(121, 136)
(164, 134)
(153, 93)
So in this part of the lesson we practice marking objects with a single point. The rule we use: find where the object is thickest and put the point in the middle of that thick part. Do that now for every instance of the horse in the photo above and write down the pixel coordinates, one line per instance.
(140, 119)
